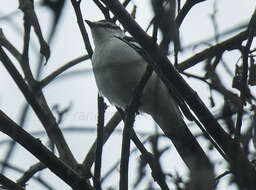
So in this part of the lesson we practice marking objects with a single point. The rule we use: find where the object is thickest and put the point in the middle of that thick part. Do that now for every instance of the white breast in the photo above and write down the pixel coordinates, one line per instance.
(117, 69)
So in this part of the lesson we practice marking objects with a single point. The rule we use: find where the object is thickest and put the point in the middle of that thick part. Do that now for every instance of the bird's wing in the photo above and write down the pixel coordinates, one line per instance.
(132, 42)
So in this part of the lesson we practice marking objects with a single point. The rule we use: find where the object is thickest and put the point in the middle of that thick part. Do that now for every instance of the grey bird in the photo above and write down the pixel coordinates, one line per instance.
(117, 70)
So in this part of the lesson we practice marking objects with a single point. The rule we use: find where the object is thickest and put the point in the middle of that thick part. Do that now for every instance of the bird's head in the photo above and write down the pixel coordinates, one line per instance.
(103, 30)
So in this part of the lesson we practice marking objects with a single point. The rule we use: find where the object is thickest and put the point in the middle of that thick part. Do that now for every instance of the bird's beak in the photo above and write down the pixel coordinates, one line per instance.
(90, 24)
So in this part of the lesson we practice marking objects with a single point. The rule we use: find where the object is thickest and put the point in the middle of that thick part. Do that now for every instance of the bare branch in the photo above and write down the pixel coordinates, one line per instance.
(41, 109)
(30, 173)
(47, 80)
(104, 10)
(99, 143)
(34, 146)
(185, 10)
(19, 170)
(9, 184)
(129, 120)
(28, 8)
(79, 17)
(25, 55)
(229, 44)
(108, 130)
(5, 43)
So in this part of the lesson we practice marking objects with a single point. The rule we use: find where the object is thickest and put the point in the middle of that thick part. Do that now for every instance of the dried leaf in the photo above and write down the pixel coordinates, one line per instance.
(227, 110)
(212, 101)
(237, 80)
(238, 84)
(133, 13)
(252, 72)
(217, 85)
(165, 11)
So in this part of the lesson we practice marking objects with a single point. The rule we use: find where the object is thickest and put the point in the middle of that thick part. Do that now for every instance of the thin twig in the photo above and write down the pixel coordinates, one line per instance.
(222, 175)
(125, 4)
(147, 157)
(5, 43)
(27, 175)
(244, 51)
(36, 178)
(25, 55)
(77, 129)
(104, 10)
(108, 130)
(243, 87)
(99, 145)
(117, 163)
(185, 10)
(229, 44)
(47, 80)
(27, 7)
(251, 30)
(129, 120)
(79, 17)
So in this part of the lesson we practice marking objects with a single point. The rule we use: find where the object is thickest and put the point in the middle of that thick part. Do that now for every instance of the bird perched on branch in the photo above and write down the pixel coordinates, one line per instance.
(118, 68)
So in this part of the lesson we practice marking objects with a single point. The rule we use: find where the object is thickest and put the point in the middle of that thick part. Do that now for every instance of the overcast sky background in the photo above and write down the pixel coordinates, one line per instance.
(81, 89)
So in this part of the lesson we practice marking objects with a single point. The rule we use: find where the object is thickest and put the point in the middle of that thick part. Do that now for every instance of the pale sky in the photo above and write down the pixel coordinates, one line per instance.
(81, 89)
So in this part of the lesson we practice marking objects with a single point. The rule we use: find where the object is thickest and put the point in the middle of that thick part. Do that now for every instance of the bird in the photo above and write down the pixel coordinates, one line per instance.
(118, 68)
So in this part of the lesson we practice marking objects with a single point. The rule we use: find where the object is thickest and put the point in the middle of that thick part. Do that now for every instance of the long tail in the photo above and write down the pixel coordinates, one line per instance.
(161, 106)
(201, 170)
